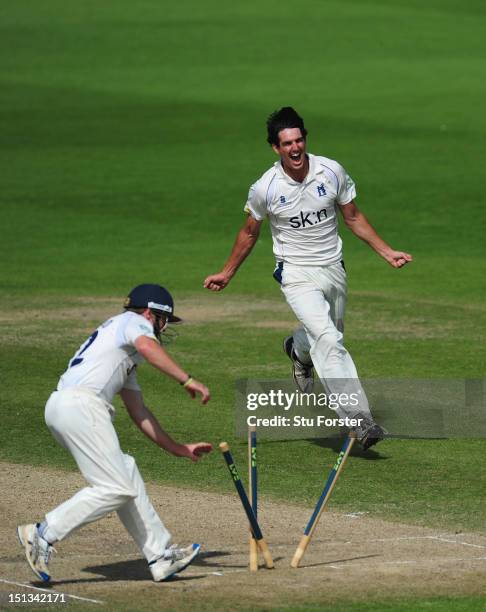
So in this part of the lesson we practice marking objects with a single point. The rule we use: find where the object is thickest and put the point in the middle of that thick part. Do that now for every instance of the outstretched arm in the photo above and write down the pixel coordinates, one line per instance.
(149, 425)
(245, 240)
(361, 227)
(160, 359)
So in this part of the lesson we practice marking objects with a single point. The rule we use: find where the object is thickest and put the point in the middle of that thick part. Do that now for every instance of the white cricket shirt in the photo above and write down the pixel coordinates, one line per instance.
(106, 362)
(303, 216)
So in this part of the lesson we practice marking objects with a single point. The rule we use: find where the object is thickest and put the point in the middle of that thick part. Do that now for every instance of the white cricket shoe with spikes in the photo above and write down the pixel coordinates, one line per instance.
(174, 561)
(37, 550)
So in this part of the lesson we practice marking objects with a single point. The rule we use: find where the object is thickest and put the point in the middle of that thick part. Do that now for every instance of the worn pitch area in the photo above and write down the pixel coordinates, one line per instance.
(350, 557)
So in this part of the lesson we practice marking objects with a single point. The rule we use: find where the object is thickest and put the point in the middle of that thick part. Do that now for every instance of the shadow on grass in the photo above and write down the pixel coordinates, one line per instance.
(339, 561)
(336, 445)
(137, 569)
(133, 570)
(201, 560)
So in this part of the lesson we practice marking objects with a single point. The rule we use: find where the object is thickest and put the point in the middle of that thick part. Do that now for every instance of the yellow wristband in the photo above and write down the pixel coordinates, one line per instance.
(189, 381)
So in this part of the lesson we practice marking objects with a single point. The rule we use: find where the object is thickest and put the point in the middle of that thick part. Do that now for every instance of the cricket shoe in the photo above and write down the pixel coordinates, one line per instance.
(37, 550)
(174, 561)
(368, 433)
(302, 373)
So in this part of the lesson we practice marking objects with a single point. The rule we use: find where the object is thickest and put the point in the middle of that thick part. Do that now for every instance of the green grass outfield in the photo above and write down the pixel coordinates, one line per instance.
(129, 134)
(439, 604)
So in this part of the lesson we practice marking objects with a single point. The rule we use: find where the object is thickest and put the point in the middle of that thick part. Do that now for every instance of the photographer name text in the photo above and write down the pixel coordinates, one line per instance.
(300, 421)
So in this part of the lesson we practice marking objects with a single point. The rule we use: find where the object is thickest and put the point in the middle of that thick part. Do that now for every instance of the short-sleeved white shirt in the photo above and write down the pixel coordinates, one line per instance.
(106, 362)
(303, 216)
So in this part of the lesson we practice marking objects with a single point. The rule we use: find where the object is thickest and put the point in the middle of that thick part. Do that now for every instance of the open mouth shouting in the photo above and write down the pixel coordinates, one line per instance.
(297, 157)
(291, 149)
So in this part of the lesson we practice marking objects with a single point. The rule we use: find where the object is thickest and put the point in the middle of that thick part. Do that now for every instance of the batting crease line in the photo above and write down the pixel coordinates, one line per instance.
(410, 562)
(220, 573)
(442, 539)
(348, 542)
(397, 538)
(447, 560)
(428, 537)
(29, 586)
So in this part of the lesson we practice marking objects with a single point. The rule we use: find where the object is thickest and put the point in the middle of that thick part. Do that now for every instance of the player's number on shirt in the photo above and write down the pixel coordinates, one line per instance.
(77, 359)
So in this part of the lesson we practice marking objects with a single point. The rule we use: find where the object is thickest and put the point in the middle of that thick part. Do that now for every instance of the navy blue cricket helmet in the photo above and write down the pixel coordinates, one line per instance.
(155, 297)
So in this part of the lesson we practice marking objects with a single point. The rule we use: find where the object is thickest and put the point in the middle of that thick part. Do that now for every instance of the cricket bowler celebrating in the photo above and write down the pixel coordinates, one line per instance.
(301, 195)
(80, 414)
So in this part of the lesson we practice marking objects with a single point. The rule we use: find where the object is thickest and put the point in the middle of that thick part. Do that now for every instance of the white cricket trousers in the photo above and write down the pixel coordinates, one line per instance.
(317, 295)
(82, 423)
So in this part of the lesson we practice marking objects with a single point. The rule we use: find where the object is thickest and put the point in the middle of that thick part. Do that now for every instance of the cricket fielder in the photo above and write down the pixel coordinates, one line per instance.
(301, 195)
(80, 414)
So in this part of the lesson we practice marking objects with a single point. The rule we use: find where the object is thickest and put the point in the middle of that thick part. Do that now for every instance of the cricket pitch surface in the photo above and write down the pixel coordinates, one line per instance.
(351, 556)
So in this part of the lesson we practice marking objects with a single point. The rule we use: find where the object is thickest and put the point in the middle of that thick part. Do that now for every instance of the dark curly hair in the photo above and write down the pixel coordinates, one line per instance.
(282, 119)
